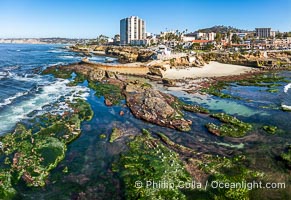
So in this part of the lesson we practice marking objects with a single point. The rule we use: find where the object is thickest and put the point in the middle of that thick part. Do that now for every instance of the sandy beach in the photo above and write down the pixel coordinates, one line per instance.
(213, 69)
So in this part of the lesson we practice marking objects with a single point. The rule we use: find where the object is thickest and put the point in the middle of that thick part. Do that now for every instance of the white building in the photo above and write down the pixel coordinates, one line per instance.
(132, 29)
(162, 49)
(211, 36)
(205, 36)
(187, 38)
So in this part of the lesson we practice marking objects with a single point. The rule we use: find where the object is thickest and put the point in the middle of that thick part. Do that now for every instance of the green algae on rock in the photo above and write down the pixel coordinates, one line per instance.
(216, 90)
(112, 93)
(80, 78)
(30, 155)
(270, 129)
(229, 174)
(149, 161)
(175, 146)
(58, 72)
(263, 80)
(217, 169)
(195, 108)
(287, 156)
(231, 126)
(102, 136)
(116, 133)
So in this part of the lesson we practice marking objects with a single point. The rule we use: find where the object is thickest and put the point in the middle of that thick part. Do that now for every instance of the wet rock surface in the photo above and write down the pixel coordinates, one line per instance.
(155, 107)
(31, 153)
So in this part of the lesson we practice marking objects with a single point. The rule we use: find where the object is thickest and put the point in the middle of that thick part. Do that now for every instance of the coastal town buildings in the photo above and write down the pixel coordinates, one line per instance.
(132, 31)
(282, 43)
(240, 35)
(188, 37)
(205, 36)
(265, 32)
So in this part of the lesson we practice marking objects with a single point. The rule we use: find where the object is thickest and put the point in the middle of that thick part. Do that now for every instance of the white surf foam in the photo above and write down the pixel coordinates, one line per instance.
(48, 95)
(68, 57)
(287, 87)
(286, 107)
(10, 68)
(10, 99)
(55, 51)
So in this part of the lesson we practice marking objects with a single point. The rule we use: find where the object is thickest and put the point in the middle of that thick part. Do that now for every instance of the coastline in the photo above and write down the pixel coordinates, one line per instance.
(135, 113)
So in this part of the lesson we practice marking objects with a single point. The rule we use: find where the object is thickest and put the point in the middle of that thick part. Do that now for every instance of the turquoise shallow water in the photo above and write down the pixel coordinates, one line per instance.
(89, 158)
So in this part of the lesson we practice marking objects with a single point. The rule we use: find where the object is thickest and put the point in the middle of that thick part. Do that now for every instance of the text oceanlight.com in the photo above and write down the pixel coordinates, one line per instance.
(209, 184)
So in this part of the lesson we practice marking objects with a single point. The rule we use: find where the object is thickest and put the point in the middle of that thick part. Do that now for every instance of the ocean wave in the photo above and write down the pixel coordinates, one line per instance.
(3, 75)
(55, 51)
(67, 57)
(287, 87)
(286, 107)
(10, 68)
(54, 95)
(58, 63)
(27, 77)
(11, 99)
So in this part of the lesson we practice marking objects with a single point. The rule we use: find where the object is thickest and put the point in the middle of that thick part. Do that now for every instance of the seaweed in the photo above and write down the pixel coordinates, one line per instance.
(58, 72)
(148, 163)
(110, 92)
(231, 126)
(31, 156)
(116, 133)
(270, 129)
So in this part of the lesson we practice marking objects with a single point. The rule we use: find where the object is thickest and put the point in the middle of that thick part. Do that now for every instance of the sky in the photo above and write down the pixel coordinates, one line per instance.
(90, 18)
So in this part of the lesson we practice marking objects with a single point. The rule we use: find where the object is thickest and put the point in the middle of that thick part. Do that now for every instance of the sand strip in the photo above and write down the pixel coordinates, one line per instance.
(213, 69)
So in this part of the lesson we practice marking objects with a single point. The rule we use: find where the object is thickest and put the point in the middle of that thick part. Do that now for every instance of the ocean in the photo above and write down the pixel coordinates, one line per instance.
(23, 91)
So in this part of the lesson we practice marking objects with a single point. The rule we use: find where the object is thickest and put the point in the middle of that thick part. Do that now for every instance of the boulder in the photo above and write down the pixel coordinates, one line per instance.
(108, 102)
(157, 70)
(144, 56)
(155, 107)
(96, 74)
(169, 82)
(110, 74)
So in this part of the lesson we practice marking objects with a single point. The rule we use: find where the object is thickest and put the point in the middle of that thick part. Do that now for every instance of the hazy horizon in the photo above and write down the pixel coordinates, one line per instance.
(88, 19)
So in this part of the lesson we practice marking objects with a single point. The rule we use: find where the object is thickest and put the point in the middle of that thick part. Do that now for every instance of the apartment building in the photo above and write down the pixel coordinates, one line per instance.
(132, 31)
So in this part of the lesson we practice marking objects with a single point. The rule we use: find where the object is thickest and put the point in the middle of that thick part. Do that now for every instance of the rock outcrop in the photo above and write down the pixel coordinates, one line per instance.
(169, 82)
(129, 54)
(155, 107)
(157, 70)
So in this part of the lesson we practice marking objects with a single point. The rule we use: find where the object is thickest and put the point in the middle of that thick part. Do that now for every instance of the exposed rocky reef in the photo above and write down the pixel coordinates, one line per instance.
(252, 59)
(144, 102)
(30, 153)
(286, 156)
(270, 81)
(163, 161)
(154, 106)
(231, 126)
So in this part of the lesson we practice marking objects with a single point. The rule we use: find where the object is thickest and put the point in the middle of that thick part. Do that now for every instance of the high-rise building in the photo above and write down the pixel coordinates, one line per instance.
(132, 30)
(264, 32)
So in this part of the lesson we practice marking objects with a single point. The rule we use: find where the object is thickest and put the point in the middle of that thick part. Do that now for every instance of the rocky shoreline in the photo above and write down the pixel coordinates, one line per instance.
(149, 154)
(258, 59)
